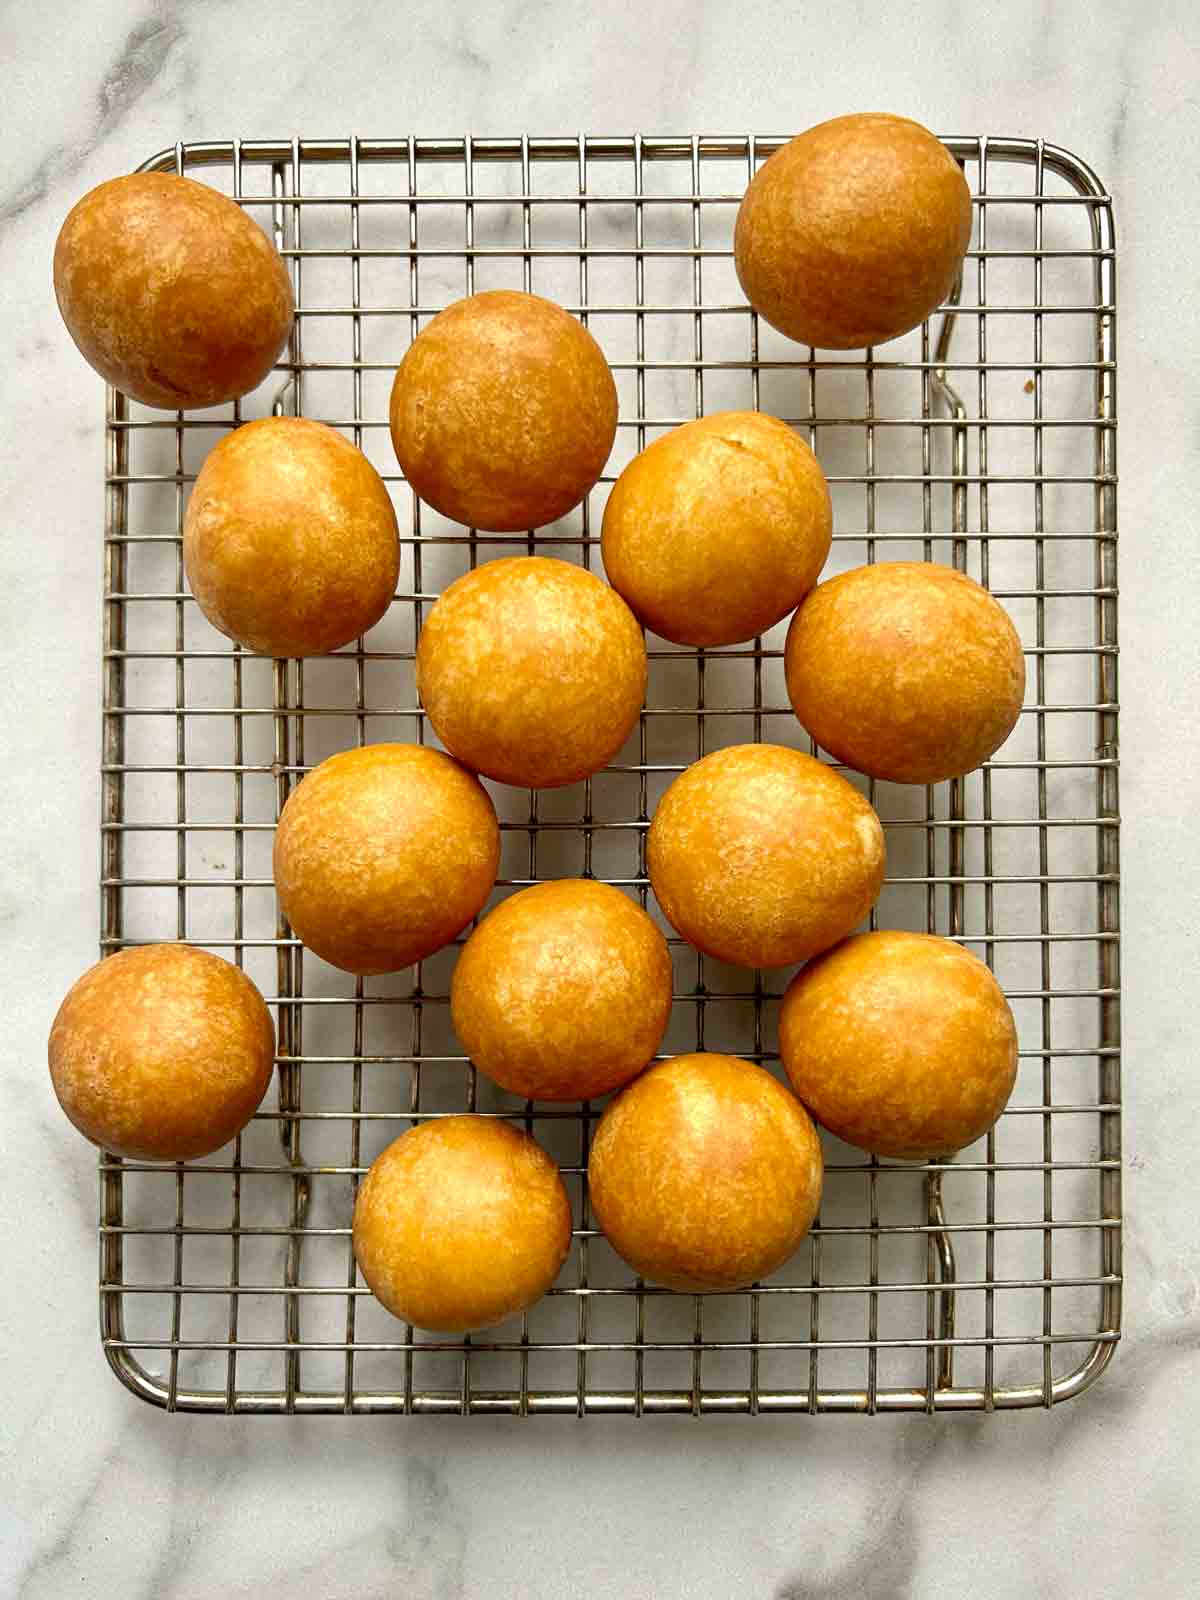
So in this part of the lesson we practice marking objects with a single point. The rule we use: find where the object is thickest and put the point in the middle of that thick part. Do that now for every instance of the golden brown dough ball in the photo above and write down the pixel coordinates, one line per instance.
(290, 541)
(532, 670)
(460, 1223)
(384, 854)
(162, 1052)
(900, 1043)
(705, 1173)
(762, 856)
(718, 529)
(905, 670)
(503, 411)
(563, 992)
(854, 232)
(171, 292)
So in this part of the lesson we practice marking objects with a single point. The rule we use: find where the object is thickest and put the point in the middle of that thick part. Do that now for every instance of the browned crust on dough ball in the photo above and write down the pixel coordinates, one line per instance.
(900, 1043)
(705, 1173)
(503, 411)
(384, 854)
(161, 1052)
(762, 856)
(532, 670)
(290, 540)
(460, 1223)
(906, 670)
(563, 992)
(718, 529)
(171, 291)
(854, 232)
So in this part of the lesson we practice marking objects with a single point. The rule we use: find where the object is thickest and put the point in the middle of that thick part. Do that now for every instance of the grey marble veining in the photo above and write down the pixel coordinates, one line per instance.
(101, 1496)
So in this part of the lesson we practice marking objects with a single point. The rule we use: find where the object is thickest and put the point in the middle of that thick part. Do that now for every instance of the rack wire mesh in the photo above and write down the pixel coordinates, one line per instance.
(987, 441)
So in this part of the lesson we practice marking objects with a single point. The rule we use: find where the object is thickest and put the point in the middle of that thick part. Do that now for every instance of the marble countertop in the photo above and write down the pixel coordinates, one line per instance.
(102, 1495)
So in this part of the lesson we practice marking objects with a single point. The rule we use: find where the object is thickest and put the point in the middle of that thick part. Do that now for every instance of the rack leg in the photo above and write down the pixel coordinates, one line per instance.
(956, 864)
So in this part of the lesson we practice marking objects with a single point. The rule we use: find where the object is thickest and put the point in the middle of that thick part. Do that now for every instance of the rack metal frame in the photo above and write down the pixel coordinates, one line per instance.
(990, 1281)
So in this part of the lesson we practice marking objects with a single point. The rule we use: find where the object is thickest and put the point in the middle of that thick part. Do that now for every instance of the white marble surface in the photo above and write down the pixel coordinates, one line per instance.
(100, 1495)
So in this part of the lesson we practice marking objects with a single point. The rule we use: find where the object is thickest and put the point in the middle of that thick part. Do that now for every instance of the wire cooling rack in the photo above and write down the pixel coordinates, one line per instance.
(987, 440)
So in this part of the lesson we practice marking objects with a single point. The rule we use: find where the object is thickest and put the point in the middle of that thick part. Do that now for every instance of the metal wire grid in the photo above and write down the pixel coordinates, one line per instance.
(989, 1281)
